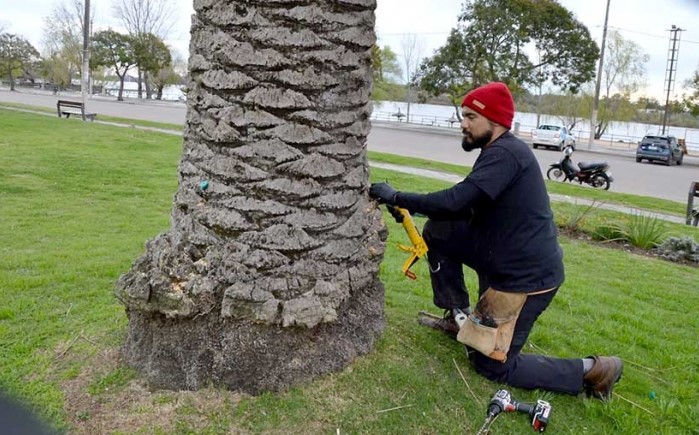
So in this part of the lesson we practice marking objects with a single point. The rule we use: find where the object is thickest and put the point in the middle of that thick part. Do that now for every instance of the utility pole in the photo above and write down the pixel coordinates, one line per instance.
(84, 80)
(595, 102)
(671, 70)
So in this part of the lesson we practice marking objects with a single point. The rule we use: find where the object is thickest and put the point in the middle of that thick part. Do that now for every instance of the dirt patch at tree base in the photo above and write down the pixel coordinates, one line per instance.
(93, 408)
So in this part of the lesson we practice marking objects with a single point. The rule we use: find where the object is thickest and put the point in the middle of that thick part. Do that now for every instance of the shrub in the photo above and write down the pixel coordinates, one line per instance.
(575, 219)
(607, 233)
(680, 249)
(645, 232)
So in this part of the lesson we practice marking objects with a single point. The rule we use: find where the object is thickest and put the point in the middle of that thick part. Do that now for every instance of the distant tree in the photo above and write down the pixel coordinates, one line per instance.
(412, 50)
(491, 43)
(63, 38)
(385, 64)
(386, 71)
(617, 107)
(146, 16)
(179, 65)
(624, 73)
(142, 18)
(692, 100)
(151, 55)
(114, 50)
(55, 69)
(570, 108)
(164, 77)
(16, 54)
(101, 76)
(648, 103)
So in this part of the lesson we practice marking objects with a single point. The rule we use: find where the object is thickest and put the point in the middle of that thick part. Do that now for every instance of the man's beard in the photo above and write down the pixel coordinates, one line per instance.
(470, 142)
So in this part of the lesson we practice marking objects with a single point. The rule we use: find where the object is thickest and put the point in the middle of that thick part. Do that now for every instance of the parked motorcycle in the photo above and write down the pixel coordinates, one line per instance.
(593, 173)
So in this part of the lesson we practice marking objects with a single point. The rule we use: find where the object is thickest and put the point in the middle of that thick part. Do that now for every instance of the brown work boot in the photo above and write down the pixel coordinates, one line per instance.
(600, 380)
(446, 324)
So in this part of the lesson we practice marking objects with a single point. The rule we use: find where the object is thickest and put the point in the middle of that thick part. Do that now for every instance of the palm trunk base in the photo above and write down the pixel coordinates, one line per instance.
(249, 358)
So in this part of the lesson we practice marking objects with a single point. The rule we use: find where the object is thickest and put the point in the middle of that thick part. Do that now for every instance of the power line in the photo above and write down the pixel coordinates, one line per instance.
(650, 34)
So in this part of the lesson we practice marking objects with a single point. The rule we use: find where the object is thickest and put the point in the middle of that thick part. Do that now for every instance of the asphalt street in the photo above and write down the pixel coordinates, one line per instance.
(433, 143)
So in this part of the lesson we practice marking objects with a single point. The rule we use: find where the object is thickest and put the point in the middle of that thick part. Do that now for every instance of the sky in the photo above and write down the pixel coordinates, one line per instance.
(646, 22)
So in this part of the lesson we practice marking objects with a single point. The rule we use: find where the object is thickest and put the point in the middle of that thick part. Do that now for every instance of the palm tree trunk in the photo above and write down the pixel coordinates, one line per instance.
(269, 273)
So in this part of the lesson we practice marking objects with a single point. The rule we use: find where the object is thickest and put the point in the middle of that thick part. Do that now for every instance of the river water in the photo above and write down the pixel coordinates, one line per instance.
(443, 116)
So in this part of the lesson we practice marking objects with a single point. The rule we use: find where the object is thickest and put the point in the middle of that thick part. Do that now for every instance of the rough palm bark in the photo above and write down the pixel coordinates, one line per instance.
(269, 273)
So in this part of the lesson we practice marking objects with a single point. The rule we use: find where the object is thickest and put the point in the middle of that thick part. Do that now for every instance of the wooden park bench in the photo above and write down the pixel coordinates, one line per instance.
(67, 108)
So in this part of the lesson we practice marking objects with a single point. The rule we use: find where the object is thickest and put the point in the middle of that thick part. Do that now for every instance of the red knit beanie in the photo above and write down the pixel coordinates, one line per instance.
(494, 101)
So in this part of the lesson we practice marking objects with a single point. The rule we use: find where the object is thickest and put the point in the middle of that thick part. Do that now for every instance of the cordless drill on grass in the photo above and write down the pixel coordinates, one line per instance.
(502, 401)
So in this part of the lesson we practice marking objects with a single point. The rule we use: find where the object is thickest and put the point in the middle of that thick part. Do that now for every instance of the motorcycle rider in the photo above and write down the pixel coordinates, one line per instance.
(499, 222)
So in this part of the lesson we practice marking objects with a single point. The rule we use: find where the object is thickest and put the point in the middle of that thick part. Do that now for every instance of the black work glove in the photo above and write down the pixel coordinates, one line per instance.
(383, 192)
(395, 213)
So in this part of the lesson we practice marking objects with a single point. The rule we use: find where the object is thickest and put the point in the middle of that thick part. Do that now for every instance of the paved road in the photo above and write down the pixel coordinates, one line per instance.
(443, 145)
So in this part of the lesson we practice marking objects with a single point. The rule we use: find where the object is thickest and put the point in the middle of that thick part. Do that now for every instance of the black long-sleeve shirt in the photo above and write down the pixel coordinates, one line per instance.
(505, 200)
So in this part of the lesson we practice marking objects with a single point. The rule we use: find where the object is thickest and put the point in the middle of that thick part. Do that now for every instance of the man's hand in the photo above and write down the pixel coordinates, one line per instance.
(395, 213)
(383, 192)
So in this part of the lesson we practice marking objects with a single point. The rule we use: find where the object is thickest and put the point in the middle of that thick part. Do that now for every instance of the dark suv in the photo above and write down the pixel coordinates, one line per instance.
(664, 149)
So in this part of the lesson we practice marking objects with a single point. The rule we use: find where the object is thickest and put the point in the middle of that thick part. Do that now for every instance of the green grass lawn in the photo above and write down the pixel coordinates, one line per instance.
(78, 201)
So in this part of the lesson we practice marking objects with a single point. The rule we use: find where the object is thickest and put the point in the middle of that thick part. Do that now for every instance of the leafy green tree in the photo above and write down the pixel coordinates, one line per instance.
(16, 54)
(151, 55)
(499, 30)
(384, 62)
(569, 108)
(386, 70)
(491, 43)
(617, 107)
(56, 69)
(114, 50)
(692, 100)
(648, 103)
(164, 77)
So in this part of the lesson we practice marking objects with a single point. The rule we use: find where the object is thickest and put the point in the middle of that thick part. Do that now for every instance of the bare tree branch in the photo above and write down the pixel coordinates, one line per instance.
(146, 16)
(412, 50)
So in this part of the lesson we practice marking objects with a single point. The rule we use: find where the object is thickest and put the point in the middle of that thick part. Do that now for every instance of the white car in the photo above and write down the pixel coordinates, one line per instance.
(553, 136)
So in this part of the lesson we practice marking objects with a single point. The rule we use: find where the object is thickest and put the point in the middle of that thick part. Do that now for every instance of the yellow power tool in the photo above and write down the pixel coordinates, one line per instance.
(418, 248)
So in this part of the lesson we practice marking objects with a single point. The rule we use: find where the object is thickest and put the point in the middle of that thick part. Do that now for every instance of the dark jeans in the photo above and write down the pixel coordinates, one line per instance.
(450, 246)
